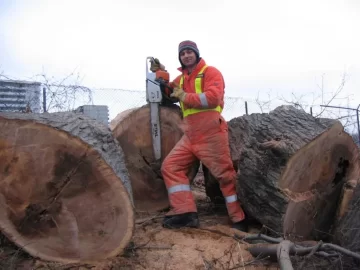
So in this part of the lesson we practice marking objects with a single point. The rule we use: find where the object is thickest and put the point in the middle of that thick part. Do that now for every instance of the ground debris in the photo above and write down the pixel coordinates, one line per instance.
(212, 246)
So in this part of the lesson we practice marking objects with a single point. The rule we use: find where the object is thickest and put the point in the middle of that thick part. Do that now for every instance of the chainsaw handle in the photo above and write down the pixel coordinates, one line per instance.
(152, 60)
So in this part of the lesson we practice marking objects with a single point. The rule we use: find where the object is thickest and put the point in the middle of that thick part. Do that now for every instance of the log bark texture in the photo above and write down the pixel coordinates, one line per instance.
(290, 169)
(132, 129)
(347, 228)
(65, 191)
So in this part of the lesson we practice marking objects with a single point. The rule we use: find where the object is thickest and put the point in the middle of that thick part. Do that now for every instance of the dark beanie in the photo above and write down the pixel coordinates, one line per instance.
(188, 44)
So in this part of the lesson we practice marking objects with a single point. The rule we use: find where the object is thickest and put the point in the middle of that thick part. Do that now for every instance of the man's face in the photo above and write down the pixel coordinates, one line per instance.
(188, 57)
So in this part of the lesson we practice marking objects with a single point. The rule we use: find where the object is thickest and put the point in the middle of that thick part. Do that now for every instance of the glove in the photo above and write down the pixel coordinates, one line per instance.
(156, 65)
(178, 93)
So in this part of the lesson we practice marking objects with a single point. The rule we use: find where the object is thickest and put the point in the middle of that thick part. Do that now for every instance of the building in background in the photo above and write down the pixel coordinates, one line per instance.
(20, 96)
(97, 112)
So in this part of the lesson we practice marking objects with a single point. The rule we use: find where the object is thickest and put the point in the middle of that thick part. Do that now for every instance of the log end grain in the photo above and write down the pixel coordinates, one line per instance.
(61, 200)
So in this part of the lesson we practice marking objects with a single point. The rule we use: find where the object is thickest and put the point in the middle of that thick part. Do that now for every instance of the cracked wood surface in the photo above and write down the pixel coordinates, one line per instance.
(132, 129)
(291, 169)
(64, 188)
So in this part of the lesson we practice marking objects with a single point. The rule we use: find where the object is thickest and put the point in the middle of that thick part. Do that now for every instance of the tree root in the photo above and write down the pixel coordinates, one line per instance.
(282, 249)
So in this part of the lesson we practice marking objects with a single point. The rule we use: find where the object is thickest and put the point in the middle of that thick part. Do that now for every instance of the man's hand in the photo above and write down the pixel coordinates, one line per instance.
(156, 65)
(178, 93)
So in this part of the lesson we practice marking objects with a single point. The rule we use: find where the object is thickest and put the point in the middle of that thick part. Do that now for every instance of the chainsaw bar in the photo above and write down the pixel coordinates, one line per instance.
(154, 97)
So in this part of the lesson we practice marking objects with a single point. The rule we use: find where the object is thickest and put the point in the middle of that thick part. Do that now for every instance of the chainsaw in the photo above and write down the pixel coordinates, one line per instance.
(157, 94)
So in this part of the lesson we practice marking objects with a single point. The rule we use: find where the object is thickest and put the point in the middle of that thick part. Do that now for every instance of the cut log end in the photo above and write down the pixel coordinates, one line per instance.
(313, 180)
(60, 200)
(291, 171)
(132, 129)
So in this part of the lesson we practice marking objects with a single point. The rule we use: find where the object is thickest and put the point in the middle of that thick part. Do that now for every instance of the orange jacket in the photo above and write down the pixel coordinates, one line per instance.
(213, 86)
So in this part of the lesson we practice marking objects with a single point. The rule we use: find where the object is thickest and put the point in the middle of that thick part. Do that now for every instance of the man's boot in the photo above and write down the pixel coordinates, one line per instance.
(182, 220)
(241, 225)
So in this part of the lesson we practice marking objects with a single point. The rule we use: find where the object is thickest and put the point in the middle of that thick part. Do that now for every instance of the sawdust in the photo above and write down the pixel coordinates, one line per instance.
(212, 246)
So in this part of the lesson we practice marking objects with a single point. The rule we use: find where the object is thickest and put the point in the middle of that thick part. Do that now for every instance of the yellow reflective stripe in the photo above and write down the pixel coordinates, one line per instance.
(198, 90)
(193, 110)
(181, 81)
(198, 81)
(181, 86)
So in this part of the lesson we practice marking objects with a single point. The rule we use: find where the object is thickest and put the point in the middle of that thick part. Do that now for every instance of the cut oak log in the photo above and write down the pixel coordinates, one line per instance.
(291, 169)
(65, 192)
(132, 129)
(346, 231)
(313, 180)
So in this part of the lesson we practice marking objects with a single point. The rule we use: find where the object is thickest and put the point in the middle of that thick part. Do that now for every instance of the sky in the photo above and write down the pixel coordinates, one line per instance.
(263, 48)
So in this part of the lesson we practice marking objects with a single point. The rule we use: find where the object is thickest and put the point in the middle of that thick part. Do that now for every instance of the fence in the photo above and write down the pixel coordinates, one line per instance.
(119, 100)
(69, 97)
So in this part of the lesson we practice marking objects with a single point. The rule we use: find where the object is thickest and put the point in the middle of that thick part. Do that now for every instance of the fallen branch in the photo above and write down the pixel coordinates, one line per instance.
(282, 249)
(264, 237)
(283, 254)
(146, 220)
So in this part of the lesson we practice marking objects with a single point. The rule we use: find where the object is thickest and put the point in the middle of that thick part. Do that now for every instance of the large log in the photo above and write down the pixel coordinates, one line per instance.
(346, 231)
(132, 129)
(65, 192)
(291, 169)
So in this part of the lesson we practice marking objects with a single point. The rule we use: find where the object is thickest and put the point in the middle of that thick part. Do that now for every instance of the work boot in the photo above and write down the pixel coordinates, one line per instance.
(241, 225)
(182, 220)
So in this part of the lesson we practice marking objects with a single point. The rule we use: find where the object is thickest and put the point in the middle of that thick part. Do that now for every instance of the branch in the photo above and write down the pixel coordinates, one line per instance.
(337, 92)
(296, 102)
(263, 104)
(282, 249)
(4, 76)
(61, 95)
(283, 256)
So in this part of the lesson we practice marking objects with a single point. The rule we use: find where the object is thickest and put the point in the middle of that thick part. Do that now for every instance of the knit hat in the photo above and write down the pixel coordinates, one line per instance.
(188, 44)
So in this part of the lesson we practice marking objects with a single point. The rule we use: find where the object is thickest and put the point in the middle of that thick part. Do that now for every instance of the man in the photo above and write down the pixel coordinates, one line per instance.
(200, 91)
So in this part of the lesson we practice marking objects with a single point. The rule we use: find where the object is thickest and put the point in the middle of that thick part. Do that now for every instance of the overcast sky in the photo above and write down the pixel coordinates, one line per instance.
(281, 46)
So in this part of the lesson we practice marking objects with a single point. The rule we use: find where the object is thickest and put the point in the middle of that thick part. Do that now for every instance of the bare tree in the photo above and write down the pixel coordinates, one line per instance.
(58, 94)
(64, 94)
(2, 75)
(318, 97)
(264, 104)
(321, 97)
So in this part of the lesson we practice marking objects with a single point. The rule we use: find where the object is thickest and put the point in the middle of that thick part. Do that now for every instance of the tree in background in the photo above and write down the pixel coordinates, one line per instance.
(317, 102)
(64, 94)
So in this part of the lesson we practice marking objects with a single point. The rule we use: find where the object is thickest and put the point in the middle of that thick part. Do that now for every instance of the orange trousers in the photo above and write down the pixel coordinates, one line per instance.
(205, 139)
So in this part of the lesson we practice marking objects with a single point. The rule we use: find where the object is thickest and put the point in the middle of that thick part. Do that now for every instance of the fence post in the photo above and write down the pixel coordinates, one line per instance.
(44, 99)
(246, 108)
(311, 111)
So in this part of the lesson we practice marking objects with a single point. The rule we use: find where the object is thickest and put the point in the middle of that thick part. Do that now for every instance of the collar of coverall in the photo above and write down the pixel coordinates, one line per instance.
(196, 70)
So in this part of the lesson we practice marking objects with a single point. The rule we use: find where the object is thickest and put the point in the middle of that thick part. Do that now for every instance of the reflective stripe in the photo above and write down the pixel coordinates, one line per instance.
(198, 81)
(178, 188)
(198, 90)
(231, 199)
(203, 100)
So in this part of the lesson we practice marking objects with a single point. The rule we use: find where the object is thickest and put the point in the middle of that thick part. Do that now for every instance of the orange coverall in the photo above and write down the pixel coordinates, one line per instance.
(205, 138)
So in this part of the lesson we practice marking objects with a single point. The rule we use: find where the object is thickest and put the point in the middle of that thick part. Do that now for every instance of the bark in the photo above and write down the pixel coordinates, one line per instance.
(132, 129)
(64, 188)
(291, 169)
(347, 228)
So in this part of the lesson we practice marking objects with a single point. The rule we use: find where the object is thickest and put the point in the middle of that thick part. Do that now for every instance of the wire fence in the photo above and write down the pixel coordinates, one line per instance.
(119, 100)
(55, 97)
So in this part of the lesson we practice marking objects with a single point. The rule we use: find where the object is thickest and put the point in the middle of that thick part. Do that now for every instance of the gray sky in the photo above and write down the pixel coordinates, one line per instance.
(281, 46)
